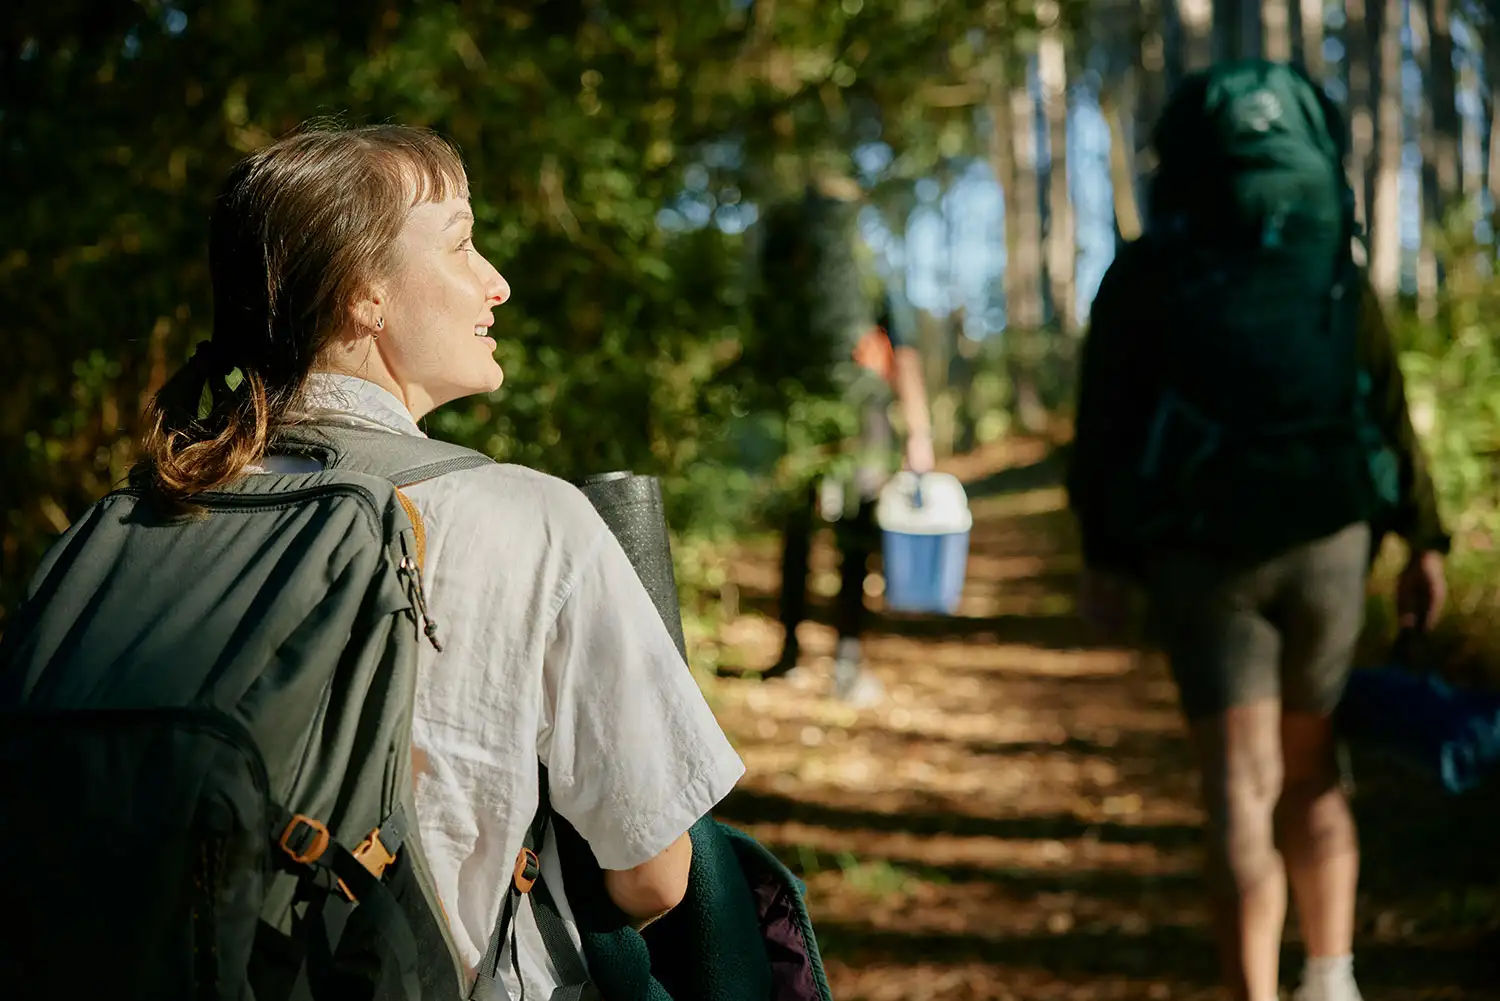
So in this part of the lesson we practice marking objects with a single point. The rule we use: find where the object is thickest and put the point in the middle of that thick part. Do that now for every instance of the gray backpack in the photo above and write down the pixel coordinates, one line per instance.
(205, 738)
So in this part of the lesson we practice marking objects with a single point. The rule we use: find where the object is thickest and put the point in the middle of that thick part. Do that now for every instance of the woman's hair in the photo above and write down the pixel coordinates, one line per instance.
(297, 233)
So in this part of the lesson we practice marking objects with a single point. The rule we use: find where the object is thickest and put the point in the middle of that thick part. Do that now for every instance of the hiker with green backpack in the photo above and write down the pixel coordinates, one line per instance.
(1243, 445)
(821, 326)
(305, 709)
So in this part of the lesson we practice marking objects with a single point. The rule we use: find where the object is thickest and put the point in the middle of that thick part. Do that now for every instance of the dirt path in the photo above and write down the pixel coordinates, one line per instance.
(1018, 820)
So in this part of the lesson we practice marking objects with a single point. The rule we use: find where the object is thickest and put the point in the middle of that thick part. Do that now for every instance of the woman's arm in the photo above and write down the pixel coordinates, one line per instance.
(650, 890)
(634, 755)
(911, 390)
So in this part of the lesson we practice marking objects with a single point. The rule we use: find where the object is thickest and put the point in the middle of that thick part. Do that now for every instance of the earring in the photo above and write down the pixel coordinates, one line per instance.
(380, 323)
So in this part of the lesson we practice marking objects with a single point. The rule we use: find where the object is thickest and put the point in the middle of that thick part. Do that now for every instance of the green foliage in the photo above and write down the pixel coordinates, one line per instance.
(579, 123)
(1451, 361)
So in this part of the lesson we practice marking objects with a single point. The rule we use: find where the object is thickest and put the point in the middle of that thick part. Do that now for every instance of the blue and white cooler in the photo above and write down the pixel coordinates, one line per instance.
(924, 522)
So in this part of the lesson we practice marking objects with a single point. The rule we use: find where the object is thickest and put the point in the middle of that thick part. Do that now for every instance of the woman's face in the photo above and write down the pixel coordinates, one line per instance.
(438, 311)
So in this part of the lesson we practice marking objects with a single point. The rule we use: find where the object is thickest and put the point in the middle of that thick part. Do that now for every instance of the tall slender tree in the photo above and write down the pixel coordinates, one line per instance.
(1197, 18)
(1385, 208)
(1307, 35)
(1358, 46)
(1236, 29)
(1116, 37)
(1276, 23)
(1472, 131)
(1061, 236)
(1442, 170)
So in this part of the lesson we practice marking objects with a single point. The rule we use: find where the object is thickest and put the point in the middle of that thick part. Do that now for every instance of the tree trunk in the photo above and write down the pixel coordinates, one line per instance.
(1276, 23)
(1385, 214)
(1122, 179)
(1428, 197)
(1013, 154)
(1442, 175)
(1471, 160)
(1197, 20)
(1024, 296)
(1236, 29)
(1492, 72)
(1154, 42)
(1494, 152)
(1361, 119)
(1358, 44)
(1119, 31)
(1062, 250)
(1438, 141)
(1307, 35)
(1160, 22)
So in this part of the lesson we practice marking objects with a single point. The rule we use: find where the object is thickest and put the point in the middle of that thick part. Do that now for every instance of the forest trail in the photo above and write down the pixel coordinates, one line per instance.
(1019, 820)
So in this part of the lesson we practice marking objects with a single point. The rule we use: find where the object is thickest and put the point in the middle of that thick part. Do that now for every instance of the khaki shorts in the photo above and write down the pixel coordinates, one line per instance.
(1285, 628)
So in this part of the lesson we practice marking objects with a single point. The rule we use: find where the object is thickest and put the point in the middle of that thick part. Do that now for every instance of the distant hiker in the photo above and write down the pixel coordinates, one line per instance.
(210, 722)
(817, 306)
(1243, 443)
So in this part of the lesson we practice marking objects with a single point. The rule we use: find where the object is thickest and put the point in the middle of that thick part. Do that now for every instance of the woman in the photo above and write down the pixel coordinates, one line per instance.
(348, 287)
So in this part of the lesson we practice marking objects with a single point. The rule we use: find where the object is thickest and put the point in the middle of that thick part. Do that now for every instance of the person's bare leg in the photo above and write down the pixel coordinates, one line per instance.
(1318, 837)
(1320, 614)
(1239, 757)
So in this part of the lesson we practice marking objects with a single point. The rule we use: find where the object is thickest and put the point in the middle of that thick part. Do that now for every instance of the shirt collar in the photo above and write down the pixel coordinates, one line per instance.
(348, 399)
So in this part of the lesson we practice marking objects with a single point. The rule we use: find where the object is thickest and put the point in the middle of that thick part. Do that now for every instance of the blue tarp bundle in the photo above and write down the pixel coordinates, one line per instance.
(1450, 733)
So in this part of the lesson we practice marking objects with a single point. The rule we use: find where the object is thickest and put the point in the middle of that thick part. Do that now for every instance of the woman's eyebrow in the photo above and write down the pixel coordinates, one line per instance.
(458, 216)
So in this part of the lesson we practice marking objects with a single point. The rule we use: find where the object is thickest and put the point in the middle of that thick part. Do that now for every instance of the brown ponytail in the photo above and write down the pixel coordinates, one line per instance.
(299, 230)
(189, 451)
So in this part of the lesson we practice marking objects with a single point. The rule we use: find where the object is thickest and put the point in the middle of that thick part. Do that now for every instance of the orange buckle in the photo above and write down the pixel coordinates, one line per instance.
(372, 855)
(315, 850)
(528, 868)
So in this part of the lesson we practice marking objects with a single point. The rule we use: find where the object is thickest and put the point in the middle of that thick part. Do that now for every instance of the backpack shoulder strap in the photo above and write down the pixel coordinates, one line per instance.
(527, 882)
(403, 459)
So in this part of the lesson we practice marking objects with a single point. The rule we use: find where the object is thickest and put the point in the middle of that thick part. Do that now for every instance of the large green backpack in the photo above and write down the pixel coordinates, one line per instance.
(1238, 310)
(205, 733)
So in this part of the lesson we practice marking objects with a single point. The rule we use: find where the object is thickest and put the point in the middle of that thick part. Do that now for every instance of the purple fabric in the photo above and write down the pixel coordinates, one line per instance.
(786, 946)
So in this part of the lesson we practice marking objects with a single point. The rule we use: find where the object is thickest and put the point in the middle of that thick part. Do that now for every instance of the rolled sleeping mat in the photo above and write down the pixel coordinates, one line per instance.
(632, 507)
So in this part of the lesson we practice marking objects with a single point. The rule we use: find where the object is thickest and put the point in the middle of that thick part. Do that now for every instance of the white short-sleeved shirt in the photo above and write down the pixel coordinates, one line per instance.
(552, 650)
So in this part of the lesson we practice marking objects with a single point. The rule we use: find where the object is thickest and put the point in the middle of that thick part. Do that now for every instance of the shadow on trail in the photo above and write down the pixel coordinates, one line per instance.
(1128, 746)
(1184, 955)
(1060, 632)
(1019, 821)
(1412, 833)
(1043, 474)
(1098, 883)
(745, 805)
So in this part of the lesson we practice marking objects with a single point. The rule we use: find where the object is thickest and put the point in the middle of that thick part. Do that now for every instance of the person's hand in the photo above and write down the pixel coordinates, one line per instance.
(1104, 603)
(1421, 591)
(919, 456)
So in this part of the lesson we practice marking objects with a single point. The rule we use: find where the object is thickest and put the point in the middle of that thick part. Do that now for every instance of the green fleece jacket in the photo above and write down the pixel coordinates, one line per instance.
(742, 933)
(1113, 369)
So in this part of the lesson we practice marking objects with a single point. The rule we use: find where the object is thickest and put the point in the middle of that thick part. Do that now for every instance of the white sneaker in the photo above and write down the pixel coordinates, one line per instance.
(858, 687)
(1336, 986)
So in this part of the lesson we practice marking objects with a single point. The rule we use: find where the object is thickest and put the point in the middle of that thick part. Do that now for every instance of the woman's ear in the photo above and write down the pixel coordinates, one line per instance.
(368, 312)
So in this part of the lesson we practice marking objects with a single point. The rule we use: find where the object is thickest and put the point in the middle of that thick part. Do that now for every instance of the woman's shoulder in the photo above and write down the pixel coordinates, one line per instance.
(510, 501)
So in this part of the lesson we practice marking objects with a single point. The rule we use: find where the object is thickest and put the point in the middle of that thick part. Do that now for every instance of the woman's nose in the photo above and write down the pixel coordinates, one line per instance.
(499, 289)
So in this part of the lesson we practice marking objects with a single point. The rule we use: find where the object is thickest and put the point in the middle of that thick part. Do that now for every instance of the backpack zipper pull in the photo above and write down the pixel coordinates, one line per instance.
(418, 597)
